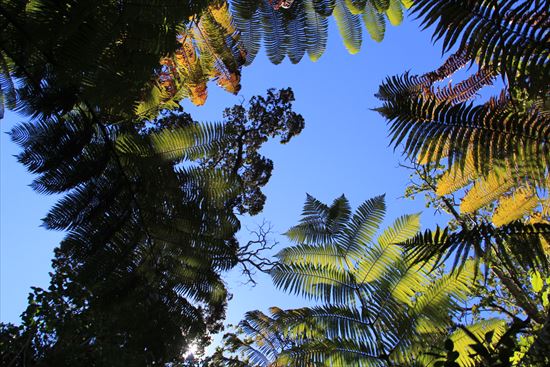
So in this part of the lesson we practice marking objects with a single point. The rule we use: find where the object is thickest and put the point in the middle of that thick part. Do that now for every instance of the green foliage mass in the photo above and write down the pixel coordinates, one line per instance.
(373, 306)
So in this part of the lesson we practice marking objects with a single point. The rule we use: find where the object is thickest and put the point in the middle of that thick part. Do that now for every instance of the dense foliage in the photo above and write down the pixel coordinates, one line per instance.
(375, 308)
(151, 198)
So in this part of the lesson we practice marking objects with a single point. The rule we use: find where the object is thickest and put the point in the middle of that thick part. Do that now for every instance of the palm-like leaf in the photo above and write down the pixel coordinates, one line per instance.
(525, 241)
(375, 307)
(301, 26)
(209, 48)
(84, 51)
(500, 146)
(418, 121)
(136, 224)
(510, 35)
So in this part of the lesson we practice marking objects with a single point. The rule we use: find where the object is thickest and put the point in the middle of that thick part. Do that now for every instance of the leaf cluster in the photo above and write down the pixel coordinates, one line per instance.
(293, 28)
(373, 307)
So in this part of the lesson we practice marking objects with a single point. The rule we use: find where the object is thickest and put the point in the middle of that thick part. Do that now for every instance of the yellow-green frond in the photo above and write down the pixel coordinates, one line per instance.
(324, 255)
(395, 12)
(407, 3)
(462, 341)
(377, 258)
(188, 142)
(515, 206)
(486, 190)
(402, 229)
(356, 6)
(349, 27)
(457, 177)
(375, 23)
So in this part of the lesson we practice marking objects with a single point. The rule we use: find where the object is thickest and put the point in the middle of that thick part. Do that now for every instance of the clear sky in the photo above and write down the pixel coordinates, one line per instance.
(343, 149)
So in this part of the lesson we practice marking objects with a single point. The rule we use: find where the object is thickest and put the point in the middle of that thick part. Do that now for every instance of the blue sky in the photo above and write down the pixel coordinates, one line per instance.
(343, 149)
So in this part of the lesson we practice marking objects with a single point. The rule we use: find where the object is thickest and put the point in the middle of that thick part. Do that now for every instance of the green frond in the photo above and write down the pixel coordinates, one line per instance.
(326, 283)
(248, 22)
(273, 33)
(356, 6)
(397, 287)
(136, 228)
(320, 223)
(457, 177)
(8, 94)
(324, 7)
(525, 241)
(330, 322)
(486, 190)
(377, 258)
(381, 5)
(440, 245)
(302, 25)
(499, 35)
(316, 29)
(323, 255)
(463, 342)
(443, 294)
(296, 37)
(402, 229)
(465, 90)
(349, 27)
(374, 22)
(417, 121)
(433, 145)
(374, 263)
(363, 226)
(342, 352)
(521, 202)
(185, 143)
(395, 12)
(376, 307)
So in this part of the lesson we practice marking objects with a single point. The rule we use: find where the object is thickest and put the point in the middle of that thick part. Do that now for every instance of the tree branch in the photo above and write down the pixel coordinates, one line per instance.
(252, 257)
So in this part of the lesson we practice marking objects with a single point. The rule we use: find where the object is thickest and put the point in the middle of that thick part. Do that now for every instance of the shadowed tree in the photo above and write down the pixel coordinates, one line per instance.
(149, 231)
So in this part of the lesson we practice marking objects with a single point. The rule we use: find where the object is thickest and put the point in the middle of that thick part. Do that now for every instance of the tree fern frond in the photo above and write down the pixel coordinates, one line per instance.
(515, 206)
(523, 138)
(324, 7)
(486, 190)
(395, 12)
(496, 34)
(402, 229)
(457, 177)
(356, 6)
(249, 24)
(526, 241)
(324, 255)
(320, 223)
(378, 257)
(295, 30)
(463, 342)
(8, 94)
(374, 22)
(386, 317)
(349, 27)
(381, 5)
(363, 226)
(332, 322)
(316, 30)
(188, 142)
(440, 245)
(468, 88)
(274, 33)
(326, 283)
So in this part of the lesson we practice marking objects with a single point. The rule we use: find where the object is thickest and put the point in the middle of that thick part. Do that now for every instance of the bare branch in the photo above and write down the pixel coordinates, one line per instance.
(252, 257)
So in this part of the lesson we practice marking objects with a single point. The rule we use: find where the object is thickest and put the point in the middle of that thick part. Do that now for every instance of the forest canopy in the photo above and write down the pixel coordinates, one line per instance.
(151, 201)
